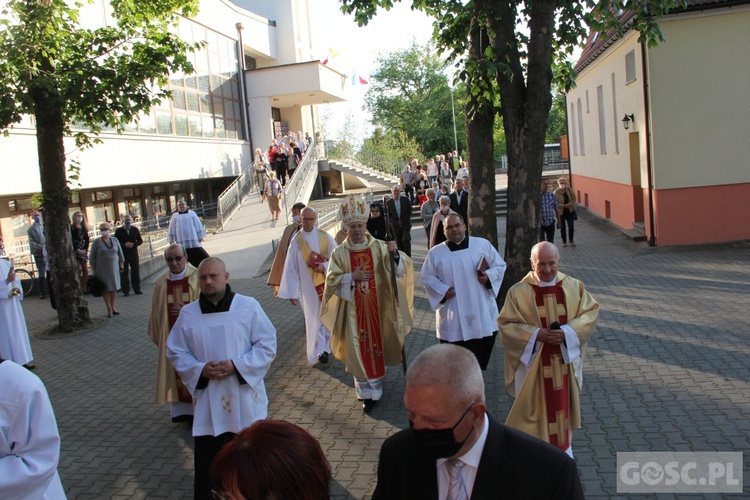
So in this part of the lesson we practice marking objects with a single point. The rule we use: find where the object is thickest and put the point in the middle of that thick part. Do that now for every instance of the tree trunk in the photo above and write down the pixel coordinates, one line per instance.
(480, 115)
(526, 102)
(72, 308)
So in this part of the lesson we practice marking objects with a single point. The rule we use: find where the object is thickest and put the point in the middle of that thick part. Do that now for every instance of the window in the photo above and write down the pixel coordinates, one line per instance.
(614, 115)
(630, 67)
(580, 127)
(101, 195)
(602, 124)
(573, 129)
(588, 109)
(199, 100)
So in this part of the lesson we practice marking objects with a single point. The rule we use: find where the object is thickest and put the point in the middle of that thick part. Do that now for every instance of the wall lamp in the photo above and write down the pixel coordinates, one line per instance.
(626, 121)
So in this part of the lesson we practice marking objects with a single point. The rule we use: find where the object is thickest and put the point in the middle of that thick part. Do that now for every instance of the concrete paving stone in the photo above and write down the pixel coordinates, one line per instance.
(670, 355)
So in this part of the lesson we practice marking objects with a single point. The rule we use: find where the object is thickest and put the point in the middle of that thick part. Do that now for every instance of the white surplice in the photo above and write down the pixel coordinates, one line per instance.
(14, 337)
(186, 229)
(296, 283)
(29, 439)
(244, 335)
(472, 313)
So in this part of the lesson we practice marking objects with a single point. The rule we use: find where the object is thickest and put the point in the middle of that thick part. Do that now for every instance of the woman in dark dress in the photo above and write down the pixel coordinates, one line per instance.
(79, 235)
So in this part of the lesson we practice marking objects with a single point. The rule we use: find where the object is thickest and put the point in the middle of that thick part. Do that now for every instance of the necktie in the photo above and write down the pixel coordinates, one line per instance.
(456, 487)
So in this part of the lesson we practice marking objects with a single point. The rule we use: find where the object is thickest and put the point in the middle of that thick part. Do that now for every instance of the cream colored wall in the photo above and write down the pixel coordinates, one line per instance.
(124, 160)
(612, 166)
(700, 79)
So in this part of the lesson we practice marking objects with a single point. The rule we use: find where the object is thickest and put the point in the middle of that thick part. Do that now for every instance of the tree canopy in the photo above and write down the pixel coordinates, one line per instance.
(410, 93)
(513, 48)
(65, 74)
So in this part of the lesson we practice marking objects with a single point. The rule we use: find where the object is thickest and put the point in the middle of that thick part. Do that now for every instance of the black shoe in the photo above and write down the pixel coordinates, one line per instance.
(183, 418)
(323, 357)
(42, 297)
(368, 405)
(29, 366)
(138, 292)
(116, 313)
(125, 294)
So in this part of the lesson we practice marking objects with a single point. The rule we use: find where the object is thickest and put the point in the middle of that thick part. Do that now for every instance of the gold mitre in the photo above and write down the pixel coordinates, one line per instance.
(354, 209)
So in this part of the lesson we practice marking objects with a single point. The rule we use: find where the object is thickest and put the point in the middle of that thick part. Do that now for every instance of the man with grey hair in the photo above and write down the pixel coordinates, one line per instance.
(304, 279)
(453, 449)
(175, 288)
(545, 325)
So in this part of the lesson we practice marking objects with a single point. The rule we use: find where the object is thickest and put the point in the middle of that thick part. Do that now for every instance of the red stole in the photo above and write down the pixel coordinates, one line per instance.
(550, 303)
(178, 293)
(368, 316)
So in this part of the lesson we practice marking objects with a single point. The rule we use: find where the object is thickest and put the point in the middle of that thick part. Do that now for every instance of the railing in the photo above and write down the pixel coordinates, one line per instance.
(302, 182)
(231, 199)
(373, 161)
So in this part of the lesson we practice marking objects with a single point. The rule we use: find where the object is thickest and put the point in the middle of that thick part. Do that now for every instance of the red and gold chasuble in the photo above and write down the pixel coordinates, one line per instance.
(550, 303)
(178, 293)
(368, 317)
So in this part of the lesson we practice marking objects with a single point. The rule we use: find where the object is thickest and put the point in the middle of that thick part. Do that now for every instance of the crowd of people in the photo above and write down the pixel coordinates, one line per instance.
(276, 166)
(215, 347)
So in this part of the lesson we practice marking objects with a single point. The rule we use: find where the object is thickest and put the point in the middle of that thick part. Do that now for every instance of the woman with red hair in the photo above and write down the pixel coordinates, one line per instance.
(272, 459)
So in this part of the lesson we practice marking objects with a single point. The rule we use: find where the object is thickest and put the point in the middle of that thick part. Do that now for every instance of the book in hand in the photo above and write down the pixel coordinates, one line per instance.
(482, 266)
(315, 260)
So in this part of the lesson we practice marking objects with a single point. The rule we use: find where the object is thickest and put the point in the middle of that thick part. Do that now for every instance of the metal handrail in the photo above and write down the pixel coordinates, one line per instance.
(231, 198)
(299, 188)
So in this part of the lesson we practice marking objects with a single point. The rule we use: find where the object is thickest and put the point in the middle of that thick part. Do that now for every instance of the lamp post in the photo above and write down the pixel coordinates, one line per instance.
(453, 115)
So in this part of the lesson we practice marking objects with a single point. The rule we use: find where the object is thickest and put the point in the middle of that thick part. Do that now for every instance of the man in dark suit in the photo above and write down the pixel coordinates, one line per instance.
(460, 201)
(130, 239)
(399, 217)
(453, 449)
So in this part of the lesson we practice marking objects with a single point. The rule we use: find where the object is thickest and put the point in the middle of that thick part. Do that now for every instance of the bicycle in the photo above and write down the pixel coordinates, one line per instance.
(27, 277)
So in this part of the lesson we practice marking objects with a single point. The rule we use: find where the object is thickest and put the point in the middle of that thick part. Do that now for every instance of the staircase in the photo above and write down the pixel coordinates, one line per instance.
(501, 202)
(364, 173)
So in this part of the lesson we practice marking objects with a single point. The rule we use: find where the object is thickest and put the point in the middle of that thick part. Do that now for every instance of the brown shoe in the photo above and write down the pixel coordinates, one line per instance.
(572, 243)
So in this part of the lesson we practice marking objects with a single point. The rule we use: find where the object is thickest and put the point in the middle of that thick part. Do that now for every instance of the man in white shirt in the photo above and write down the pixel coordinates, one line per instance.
(462, 277)
(455, 450)
(222, 346)
(304, 279)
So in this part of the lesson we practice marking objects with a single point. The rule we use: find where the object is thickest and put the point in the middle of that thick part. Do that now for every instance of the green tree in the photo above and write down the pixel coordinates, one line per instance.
(410, 93)
(63, 74)
(557, 123)
(518, 46)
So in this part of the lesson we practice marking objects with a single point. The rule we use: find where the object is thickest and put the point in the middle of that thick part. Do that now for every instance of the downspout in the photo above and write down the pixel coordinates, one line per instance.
(243, 90)
(649, 161)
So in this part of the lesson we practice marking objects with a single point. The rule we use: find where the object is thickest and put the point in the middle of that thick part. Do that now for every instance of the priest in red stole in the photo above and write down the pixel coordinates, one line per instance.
(545, 325)
(367, 318)
(172, 290)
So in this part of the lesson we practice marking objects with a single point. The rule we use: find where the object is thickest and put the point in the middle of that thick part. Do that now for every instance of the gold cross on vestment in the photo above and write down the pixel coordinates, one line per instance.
(559, 427)
(556, 371)
(550, 309)
(178, 296)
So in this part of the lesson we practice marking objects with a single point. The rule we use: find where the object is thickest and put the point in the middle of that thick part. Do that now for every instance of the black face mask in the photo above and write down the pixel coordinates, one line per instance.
(439, 443)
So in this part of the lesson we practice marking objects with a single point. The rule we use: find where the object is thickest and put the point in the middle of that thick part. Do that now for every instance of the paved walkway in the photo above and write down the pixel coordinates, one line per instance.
(667, 369)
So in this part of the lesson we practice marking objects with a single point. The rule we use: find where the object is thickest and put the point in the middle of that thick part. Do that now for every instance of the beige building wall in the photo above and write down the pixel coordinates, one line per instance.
(700, 78)
(611, 164)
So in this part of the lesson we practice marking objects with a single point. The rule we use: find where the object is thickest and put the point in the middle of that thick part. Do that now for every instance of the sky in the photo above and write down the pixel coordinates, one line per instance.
(358, 49)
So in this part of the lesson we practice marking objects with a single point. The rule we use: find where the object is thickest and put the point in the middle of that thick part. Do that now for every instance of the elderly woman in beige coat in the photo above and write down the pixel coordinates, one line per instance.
(437, 233)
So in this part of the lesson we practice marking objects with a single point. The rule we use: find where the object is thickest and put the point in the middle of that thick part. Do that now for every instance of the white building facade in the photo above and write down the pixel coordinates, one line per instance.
(257, 76)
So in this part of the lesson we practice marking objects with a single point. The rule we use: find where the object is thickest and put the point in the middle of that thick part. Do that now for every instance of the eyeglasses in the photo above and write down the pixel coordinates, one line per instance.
(174, 259)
